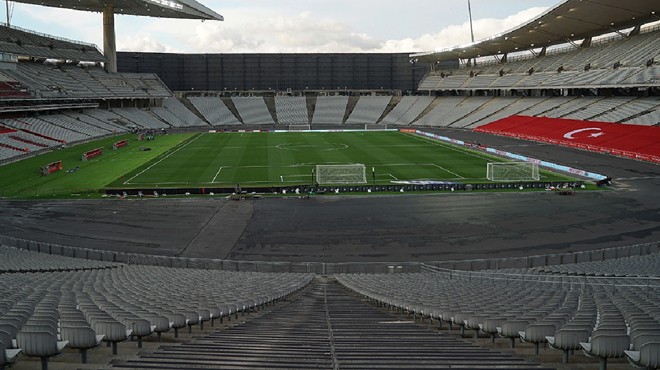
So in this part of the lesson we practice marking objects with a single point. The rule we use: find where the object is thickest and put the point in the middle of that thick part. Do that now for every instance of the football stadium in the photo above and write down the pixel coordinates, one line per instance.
(494, 205)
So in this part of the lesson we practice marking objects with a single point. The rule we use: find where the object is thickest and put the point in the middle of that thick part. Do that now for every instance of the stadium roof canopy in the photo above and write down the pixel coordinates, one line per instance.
(183, 9)
(568, 21)
(186, 9)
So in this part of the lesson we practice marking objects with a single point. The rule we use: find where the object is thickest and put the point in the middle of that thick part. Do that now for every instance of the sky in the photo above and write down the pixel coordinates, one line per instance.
(294, 26)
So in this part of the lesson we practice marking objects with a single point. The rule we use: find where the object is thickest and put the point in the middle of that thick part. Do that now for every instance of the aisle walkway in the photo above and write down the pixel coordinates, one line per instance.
(325, 327)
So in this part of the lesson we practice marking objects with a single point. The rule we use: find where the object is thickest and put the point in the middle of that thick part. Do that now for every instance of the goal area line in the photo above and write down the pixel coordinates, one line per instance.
(382, 171)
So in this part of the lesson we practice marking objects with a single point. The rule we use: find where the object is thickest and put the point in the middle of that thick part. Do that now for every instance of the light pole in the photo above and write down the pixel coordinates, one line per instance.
(470, 15)
(471, 27)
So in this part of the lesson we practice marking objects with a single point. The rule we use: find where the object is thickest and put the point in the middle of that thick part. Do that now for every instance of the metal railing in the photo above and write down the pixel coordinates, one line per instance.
(465, 269)
(554, 279)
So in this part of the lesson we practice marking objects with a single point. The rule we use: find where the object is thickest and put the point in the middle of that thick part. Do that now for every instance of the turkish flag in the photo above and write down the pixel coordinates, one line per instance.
(629, 140)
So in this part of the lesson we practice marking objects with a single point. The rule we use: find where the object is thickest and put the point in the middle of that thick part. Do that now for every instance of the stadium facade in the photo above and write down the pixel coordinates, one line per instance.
(279, 72)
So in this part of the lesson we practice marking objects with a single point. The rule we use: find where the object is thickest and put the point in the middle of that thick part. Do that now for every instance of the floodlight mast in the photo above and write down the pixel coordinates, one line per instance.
(470, 15)
(8, 14)
(471, 27)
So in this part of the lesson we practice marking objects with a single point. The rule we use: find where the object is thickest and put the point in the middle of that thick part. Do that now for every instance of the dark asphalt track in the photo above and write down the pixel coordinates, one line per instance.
(374, 228)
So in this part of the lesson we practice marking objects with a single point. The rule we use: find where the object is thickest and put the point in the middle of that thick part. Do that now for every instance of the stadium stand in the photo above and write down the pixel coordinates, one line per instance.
(168, 117)
(19, 260)
(600, 315)
(84, 302)
(18, 41)
(439, 107)
(291, 110)
(214, 111)
(368, 110)
(141, 118)
(325, 309)
(330, 110)
(47, 129)
(633, 266)
(253, 111)
(185, 116)
(609, 61)
(10, 88)
(61, 81)
(407, 110)
(109, 127)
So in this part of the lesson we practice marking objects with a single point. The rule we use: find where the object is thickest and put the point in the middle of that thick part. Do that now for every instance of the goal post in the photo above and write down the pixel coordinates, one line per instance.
(344, 174)
(513, 171)
(299, 127)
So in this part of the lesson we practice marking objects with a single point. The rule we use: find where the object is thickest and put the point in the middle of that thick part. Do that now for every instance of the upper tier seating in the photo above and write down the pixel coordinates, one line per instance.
(71, 81)
(17, 41)
(622, 62)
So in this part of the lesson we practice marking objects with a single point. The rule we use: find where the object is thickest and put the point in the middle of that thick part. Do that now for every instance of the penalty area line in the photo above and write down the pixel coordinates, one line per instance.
(446, 170)
(216, 175)
(128, 182)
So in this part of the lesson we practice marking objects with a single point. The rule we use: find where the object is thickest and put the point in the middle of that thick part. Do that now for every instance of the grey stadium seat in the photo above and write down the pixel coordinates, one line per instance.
(647, 356)
(568, 339)
(8, 355)
(605, 345)
(40, 344)
(81, 338)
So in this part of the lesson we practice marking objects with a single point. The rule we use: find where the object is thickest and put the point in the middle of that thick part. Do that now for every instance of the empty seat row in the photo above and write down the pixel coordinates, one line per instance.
(603, 317)
(41, 313)
(19, 260)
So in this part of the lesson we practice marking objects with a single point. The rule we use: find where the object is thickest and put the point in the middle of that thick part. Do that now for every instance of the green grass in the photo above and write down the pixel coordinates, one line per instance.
(260, 159)
(23, 179)
(251, 159)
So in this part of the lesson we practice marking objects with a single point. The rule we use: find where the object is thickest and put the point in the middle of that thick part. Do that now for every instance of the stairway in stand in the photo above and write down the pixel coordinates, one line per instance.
(325, 327)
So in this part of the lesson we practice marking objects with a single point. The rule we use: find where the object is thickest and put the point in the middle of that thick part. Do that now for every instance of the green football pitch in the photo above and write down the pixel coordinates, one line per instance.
(282, 159)
(220, 160)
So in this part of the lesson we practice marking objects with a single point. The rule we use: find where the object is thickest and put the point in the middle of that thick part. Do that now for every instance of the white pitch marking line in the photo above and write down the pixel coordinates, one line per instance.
(216, 175)
(446, 170)
(127, 182)
(638, 178)
(394, 177)
(447, 146)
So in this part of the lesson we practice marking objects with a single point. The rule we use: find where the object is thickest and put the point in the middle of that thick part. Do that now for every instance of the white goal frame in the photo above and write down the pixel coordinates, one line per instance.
(512, 171)
(340, 174)
(299, 127)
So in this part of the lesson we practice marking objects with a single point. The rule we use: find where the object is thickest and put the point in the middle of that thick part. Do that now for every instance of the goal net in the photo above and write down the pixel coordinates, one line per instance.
(513, 171)
(300, 127)
(328, 174)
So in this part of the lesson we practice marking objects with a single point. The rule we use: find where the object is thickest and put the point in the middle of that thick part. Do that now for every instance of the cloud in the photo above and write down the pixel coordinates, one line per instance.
(252, 32)
(279, 33)
(143, 42)
(261, 30)
(455, 35)
(58, 22)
